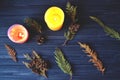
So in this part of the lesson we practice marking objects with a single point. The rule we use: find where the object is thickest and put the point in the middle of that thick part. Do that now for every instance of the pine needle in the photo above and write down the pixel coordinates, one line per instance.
(94, 57)
(111, 32)
(63, 64)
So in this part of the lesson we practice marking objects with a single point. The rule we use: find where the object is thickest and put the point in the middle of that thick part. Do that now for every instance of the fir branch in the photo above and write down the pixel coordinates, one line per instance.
(36, 27)
(33, 24)
(36, 64)
(11, 52)
(63, 64)
(71, 11)
(94, 57)
(111, 32)
(72, 31)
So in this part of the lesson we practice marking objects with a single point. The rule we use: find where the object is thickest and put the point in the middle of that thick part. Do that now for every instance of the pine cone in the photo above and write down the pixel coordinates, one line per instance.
(38, 66)
(74, 28)
(40, 39)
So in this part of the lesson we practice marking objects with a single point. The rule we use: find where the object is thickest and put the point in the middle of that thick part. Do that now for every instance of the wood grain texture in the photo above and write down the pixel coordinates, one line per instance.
(14, 11)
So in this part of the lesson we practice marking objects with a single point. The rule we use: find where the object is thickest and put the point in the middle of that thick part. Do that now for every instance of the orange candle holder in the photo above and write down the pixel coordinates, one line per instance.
(18, 33)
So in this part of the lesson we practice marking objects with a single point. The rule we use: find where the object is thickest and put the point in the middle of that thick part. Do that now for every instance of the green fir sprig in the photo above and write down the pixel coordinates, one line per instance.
(72, 31)
(34, 24)
(71, 11)
(111, 32)
(63, 64)
(36, 27)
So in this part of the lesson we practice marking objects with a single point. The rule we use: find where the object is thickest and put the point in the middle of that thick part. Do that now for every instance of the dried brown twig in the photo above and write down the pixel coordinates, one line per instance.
(11, 52)
(94, 58)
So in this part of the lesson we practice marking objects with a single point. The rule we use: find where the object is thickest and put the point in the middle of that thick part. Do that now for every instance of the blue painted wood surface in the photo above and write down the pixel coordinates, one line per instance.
(14, 11)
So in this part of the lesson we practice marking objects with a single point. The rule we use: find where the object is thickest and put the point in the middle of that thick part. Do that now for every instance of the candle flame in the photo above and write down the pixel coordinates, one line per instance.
(21, 35)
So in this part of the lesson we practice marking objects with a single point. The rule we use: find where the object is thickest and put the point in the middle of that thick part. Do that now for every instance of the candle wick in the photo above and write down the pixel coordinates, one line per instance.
(55, 19)
(21, 35)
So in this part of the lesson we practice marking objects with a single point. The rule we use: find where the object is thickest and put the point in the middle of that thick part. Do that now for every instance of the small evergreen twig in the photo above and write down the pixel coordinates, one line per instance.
(62, 63)
(111, 32)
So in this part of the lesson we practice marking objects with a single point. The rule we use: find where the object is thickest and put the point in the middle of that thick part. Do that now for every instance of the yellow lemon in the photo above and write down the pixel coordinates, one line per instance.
(54, 18)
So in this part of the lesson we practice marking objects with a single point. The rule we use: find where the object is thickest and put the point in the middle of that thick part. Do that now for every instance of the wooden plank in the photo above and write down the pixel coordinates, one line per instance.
(14, 11)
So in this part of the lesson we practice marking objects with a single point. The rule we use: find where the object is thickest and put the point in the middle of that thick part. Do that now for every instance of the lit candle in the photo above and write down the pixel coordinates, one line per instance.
(18, 33)
(54, 18)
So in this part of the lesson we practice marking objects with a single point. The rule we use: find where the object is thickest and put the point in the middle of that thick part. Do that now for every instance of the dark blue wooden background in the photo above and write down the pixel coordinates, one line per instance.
(14, 11)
